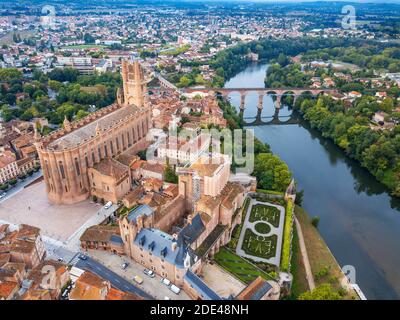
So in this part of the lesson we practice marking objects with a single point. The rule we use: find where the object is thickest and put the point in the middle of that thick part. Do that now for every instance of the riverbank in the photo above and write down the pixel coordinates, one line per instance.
(373, 150)
(324, 267)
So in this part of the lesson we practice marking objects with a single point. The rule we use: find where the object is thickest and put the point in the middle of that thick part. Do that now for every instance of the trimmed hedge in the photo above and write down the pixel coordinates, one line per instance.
(287, 236)
(278, 193)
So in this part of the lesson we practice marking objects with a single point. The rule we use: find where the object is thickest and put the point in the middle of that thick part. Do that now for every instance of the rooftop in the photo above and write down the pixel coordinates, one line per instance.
(255, 290)
(88, 131)
(138, 211)
(204, 291)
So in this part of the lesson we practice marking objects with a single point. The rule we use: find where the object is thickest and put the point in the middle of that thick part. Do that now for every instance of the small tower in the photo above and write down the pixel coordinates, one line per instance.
(36, 135)
(67, 124)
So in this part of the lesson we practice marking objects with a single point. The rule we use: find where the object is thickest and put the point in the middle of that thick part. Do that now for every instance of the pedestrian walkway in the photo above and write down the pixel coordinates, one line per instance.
(303, 250)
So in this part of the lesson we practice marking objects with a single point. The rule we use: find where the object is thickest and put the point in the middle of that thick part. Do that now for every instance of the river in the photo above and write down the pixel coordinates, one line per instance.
(360, 221)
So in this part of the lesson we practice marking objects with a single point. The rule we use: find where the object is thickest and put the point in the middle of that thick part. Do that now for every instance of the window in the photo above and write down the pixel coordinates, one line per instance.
(99, 152)
(111, 148)
(62, 172)
(47, 168)
(78, 170)
(117, 143)
(105, 150)
(86, 161)
(128, 134)
(133, 135)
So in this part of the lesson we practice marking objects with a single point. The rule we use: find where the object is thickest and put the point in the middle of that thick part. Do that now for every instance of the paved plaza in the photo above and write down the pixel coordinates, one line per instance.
(59, 222)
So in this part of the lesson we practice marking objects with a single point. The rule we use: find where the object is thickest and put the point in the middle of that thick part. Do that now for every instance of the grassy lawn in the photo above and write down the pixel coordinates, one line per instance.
(258, 246)
(260, 212)
(323, 264)
(239, 267)
(277, 193)
(298, 271)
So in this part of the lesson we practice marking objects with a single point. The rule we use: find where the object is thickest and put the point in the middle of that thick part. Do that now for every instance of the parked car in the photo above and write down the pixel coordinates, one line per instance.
(166, 282)
(138, 279)
(125, 265)
(167, 298)
(149, 273)
(108, 205)
(3, 195)
(174, 289)
(82, 256)
(60, 260)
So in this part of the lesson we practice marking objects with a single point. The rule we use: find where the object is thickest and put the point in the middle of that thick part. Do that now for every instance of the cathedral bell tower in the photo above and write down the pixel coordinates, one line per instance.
(134, 84)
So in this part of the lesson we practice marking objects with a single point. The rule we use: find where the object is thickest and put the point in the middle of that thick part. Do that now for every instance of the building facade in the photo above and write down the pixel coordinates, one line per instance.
(67, 155)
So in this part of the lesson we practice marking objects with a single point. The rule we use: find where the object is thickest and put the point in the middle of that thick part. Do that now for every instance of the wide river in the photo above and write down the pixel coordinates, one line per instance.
(360, 221)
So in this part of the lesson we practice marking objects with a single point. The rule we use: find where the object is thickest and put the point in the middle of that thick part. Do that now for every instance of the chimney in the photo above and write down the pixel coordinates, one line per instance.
(189, 219)
(174, 245)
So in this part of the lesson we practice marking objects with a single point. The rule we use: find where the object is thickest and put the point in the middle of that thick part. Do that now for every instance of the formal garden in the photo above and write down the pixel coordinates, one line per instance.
(262, 212)
(262, 231)
(259, 246)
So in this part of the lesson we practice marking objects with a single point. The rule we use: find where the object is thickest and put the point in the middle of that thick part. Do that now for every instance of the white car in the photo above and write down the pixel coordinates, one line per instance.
(166, 282)
(174, 289)
(108, 205)
(3, 195)
(149, 273)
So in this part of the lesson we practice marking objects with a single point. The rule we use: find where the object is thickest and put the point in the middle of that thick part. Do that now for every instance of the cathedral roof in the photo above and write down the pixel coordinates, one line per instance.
(88, 131)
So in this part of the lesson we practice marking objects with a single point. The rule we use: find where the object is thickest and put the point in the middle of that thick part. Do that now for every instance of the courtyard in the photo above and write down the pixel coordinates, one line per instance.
(222, 282)
(59, 222)
(262, 232)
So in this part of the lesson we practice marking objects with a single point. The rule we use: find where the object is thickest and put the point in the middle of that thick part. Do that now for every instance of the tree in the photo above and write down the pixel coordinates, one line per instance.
(271, 172)
(184, 81)
(322, 292)
(88, 38)
(81, 114)
(10, 74)
(170, 175)
(315, 221)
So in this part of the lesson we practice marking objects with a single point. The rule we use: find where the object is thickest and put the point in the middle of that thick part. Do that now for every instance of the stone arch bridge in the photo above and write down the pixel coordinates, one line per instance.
(277, 93)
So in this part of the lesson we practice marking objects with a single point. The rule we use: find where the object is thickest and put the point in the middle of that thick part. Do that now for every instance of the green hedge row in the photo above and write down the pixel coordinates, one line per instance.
(287, 236)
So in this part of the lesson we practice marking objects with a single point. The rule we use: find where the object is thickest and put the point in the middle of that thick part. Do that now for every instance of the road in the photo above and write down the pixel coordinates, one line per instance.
(21, 185)
(105, 273)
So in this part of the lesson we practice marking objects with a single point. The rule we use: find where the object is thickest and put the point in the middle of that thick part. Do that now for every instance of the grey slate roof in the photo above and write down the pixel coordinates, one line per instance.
(143, 209)
(204, 291)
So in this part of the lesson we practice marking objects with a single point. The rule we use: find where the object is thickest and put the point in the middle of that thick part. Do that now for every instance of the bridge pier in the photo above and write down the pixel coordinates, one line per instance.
(260, 101)
(294, 99)
(242, 101)
(278, 101)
